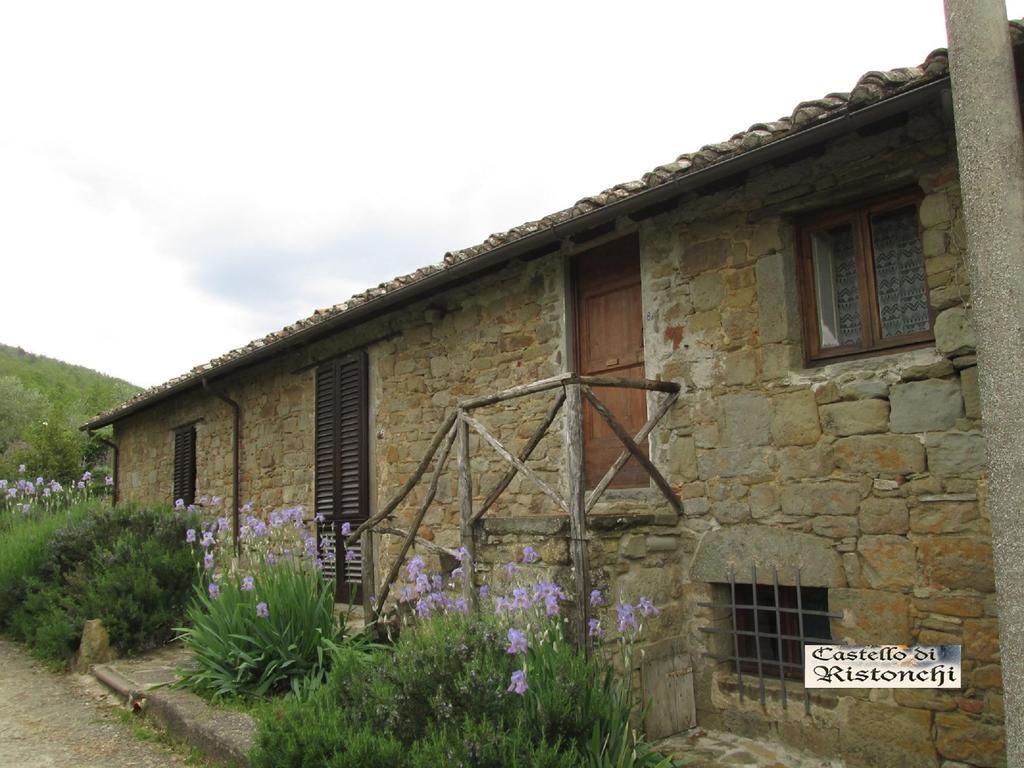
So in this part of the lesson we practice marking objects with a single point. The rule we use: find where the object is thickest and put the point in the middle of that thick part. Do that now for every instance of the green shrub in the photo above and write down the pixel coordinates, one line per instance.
(42, 622)
(272, 637)
(479, 744)
(25, 553)
(131, 568)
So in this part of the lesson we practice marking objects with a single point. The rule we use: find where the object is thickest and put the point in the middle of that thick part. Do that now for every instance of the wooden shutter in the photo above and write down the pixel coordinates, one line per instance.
(341, 462)
(184, 465)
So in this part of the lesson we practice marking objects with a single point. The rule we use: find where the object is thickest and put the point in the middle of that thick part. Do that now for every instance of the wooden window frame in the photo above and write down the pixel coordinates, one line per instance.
(183, 484)
(872, 342)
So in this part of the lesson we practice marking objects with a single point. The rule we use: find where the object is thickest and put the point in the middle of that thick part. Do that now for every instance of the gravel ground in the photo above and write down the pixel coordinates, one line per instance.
(52, 721)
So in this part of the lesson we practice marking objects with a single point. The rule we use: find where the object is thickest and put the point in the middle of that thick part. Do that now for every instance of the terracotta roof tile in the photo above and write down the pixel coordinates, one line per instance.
(869, 89)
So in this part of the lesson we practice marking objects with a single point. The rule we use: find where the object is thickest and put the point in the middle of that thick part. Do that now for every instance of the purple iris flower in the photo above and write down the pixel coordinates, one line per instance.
(350, 555)
(594, 628)
(261, 610)
(596, 598)
(179, 504)
(247, 584)
(214, 590)
(516, 641)
(21, 469)
(518, 684)
(530, 555)
(190, 535)
(484, 590)
(422, 609)
(647, 607)
(208, 561)
(626, 616)
(551, 605)
(510, 568)
(462, 554)
(346, 529)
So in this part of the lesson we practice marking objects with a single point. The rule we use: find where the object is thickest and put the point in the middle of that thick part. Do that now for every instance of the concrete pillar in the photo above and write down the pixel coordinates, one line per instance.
(991, 154)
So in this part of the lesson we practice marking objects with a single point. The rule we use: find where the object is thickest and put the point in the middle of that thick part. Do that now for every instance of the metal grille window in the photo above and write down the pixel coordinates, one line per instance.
(184, 485)
(763, 628)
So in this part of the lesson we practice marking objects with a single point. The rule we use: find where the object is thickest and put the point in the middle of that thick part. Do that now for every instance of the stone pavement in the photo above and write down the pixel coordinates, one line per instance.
(700, 748)
(65, 721)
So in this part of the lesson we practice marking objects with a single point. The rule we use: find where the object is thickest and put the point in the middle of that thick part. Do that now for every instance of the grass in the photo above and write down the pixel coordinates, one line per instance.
(145, 729)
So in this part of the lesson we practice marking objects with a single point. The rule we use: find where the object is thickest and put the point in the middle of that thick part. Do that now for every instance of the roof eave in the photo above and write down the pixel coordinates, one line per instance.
(815, 134)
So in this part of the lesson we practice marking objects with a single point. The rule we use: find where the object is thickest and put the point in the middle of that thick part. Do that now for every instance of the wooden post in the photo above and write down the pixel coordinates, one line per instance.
(466, 505)
(577, 510)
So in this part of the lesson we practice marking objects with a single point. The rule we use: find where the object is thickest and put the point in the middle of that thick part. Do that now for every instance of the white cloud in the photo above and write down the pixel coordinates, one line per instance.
(227, 167)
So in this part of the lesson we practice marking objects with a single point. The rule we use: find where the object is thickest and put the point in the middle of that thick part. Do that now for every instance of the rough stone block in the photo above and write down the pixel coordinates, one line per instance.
(707, 291)
(957, 562)
(962, 606)
(955, 452)
(731, 462)
(966, 738)
(796, 463)
(795, 419)
(834, 526)
(925, 406)
(972, 397)
(981, 639)
(954, 333)
(737, 546)
(858, 417)
(832, 497)
(773, 298)
(763, 500)
(944, 517)
(746, 419)
(987, 676)
(94, 647)
(633, 547)
(700, 257)
(870, 617)
(879, 454)
(864, 389)
(923, 698)
(888, 562)
(907, 740)
(740, 367)
(730, 512)
(696, 506)
(937, 370)
(886, 516)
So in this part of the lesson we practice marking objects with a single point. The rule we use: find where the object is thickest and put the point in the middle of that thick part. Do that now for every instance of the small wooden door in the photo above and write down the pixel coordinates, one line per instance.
(610, 342)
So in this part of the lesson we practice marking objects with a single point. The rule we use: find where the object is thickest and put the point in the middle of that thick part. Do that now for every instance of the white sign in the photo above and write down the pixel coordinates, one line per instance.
(882, 666)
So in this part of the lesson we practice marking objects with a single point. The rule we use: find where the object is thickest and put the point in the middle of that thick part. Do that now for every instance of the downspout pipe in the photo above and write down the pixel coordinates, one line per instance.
(236, 440)
(113, 449)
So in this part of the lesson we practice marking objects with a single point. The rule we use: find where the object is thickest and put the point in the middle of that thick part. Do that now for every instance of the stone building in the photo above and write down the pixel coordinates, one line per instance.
(804, 285)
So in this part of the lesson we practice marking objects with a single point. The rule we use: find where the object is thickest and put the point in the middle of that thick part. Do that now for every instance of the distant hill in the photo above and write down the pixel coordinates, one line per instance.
(42, 403)
(82, 392)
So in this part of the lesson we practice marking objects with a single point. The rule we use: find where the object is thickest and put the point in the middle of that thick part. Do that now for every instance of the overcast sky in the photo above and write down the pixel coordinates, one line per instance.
(177, 179)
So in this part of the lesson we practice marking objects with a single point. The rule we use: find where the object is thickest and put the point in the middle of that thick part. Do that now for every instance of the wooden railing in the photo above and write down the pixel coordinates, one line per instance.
(572, 391)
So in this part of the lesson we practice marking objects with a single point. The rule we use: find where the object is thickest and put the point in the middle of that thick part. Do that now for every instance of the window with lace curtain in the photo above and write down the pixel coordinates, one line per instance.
(862, 280)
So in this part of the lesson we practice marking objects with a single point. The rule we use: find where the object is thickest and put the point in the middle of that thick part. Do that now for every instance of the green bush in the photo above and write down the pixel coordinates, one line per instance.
(131, 568)
(266, 636)
(25, 553)
(42, 622)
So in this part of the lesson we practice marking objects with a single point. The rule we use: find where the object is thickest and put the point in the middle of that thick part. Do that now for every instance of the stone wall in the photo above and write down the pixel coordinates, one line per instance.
(868, 474)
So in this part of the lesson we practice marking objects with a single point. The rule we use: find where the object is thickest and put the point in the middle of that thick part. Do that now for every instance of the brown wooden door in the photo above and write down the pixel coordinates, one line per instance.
(610, 342)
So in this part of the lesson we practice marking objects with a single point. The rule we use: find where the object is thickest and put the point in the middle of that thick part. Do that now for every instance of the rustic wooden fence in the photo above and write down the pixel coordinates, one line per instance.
(572, 391)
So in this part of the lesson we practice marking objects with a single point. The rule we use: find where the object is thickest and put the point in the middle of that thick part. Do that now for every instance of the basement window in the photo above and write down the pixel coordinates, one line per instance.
(184, 465)
(862, 280)
(770, 634)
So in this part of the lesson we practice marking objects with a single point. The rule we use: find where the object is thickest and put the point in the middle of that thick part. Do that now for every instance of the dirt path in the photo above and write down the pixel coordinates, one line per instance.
(64, 721)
